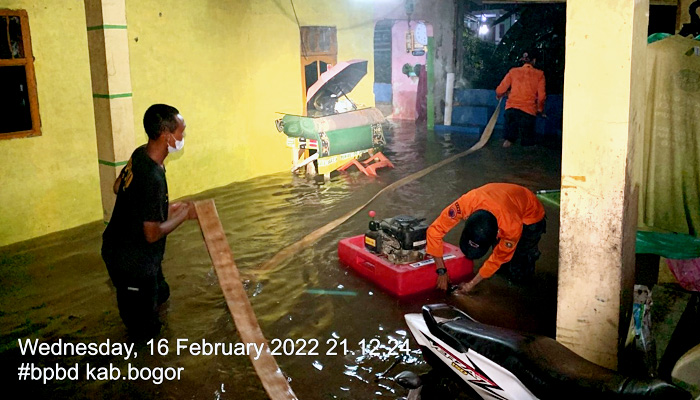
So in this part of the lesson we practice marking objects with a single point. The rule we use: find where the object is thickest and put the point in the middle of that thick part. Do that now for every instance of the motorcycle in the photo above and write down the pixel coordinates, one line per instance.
(504, 364)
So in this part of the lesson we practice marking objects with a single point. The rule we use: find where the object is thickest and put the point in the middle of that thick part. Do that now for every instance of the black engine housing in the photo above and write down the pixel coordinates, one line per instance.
(402, 238)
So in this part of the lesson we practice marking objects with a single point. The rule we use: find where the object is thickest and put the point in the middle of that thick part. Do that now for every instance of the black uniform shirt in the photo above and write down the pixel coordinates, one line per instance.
(142, 196)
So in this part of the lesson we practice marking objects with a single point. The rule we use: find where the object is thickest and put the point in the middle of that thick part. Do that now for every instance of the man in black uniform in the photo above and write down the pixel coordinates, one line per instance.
(133, 243)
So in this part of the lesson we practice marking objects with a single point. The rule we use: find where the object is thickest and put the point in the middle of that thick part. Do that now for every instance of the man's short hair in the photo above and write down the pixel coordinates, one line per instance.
(159, 118)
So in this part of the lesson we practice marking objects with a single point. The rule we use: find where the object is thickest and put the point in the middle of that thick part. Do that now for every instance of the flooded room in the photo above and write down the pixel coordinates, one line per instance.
(350, 199)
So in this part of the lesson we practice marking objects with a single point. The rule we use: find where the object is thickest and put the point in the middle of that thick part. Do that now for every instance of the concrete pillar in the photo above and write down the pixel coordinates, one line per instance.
(430, 72)
(441, 15)
(604, 89)
(111, 91)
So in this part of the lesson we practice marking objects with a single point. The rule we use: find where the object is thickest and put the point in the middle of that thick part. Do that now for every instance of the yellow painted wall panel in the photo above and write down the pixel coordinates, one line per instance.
(229, 65)
(51, 182)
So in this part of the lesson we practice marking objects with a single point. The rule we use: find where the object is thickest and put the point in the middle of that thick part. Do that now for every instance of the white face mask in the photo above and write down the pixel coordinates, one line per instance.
(179, 144)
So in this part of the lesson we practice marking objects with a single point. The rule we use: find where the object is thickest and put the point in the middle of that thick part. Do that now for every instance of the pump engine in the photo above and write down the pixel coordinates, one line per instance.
(401, 239)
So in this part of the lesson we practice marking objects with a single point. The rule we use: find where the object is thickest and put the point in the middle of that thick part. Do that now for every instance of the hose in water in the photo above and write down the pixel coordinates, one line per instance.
(312, 237)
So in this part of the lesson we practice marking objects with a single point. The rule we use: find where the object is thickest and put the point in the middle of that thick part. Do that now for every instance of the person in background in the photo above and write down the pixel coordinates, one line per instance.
(133, 243)
(506, 216)
(525, 88)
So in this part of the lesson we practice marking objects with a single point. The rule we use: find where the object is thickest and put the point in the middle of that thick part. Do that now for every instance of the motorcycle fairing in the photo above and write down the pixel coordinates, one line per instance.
(487, 378)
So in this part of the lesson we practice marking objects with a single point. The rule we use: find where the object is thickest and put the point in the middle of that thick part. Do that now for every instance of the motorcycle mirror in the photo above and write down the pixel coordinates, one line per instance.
(408, 380)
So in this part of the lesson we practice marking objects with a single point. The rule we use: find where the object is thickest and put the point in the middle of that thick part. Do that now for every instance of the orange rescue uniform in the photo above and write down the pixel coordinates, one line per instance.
(512, 205)
(527, 89)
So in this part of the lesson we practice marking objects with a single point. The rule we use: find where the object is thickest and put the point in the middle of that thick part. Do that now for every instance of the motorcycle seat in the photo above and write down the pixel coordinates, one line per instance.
(549, 369)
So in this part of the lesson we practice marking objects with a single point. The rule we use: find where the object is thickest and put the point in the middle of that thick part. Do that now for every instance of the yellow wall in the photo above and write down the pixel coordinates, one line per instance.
(228, 65)
(50, 183)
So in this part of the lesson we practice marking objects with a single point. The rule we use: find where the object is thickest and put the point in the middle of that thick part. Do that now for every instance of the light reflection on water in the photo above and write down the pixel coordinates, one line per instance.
(57, 286)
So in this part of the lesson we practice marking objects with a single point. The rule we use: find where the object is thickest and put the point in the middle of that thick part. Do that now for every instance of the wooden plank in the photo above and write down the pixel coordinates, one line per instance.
(274, 382)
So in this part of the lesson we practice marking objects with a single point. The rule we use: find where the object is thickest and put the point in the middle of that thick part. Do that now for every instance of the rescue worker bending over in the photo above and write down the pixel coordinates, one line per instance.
(506, 216)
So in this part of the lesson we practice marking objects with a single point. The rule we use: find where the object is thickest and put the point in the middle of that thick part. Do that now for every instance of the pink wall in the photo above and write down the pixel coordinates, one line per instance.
(404, 88)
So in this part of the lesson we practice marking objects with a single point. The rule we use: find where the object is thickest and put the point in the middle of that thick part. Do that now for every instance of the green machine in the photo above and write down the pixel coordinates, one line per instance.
(329, 135)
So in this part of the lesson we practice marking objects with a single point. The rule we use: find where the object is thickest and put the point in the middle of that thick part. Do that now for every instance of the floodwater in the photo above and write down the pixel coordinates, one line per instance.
(56, 287)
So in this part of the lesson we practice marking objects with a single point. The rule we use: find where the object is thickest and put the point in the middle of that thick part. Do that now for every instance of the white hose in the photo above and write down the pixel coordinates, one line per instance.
(312, 237)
